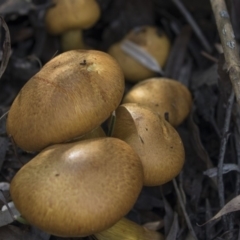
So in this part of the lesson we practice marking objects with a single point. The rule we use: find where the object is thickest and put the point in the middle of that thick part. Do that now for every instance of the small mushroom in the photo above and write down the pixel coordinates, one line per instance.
(169, 98)
(126, 229)
(70, 96)
(78, 189)
(69, 18)
(157, 143)
(151, 40)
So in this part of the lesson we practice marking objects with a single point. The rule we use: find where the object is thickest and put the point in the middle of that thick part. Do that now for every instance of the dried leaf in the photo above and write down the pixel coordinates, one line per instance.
(210, 230)
(208, 77)
(6, 48)
(231, 206)
(5, 216)
(4, 186)
(140, 55)
(178, 53)
(212, 172)
(174, 228)
(169, 216)
(197, 143)
(154, 226)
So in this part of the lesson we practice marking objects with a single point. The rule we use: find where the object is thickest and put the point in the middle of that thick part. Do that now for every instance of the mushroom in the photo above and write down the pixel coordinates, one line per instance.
(71, 95)
(157, 143)
(151, 40)
(126, 229)
(67, 18)
(169, 98)
(71, 40)
(78, 189)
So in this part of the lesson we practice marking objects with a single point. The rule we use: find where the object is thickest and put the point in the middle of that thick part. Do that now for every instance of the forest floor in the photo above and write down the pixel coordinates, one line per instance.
(211, 134)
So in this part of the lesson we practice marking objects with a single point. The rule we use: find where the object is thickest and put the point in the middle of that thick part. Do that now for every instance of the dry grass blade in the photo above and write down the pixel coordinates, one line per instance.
(141, 56)
(189, 224)
(228, 167)
(178, 53)
(222, 152)
(153, 226)
(174, 228)
(193, 24)
(232, 206)
(169, 215)
(199, 148)
(210, 231)
(6, 48)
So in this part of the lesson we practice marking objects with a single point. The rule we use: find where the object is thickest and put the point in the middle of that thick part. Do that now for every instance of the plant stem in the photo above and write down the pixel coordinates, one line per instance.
(229, 44)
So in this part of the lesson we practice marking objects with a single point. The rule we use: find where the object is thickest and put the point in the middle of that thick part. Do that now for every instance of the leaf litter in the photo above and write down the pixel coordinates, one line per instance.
(174, 209)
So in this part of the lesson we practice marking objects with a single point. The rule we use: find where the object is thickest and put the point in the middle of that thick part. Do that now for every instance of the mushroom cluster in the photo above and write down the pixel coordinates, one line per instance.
(82, 182)
(146, 121)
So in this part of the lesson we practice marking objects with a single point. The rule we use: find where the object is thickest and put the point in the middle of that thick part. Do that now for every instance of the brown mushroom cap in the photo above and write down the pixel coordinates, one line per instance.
(71, 95)
(157, 143)
(132, 230)
(74, 14)
(78, 189)
(150, 39)
(164, 96)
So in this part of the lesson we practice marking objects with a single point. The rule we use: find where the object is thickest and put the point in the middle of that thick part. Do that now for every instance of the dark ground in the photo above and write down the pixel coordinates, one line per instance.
(204, 133)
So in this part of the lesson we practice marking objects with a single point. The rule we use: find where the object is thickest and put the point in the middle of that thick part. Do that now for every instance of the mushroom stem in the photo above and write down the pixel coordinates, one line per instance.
(126, 229)
(71, 40)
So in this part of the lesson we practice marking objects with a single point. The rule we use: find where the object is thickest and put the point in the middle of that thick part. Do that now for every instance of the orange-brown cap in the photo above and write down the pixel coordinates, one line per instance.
(70, 96)
(74, 14)
(165, 96)
(157, 143)
(80, 188)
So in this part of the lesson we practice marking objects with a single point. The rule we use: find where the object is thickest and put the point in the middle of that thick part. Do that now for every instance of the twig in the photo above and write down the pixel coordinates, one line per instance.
(237, 142)
(210, 57)
(6, 52)
(1, 117)
(189, 224)
(230, 46)
(224, 140)
(193, 24)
